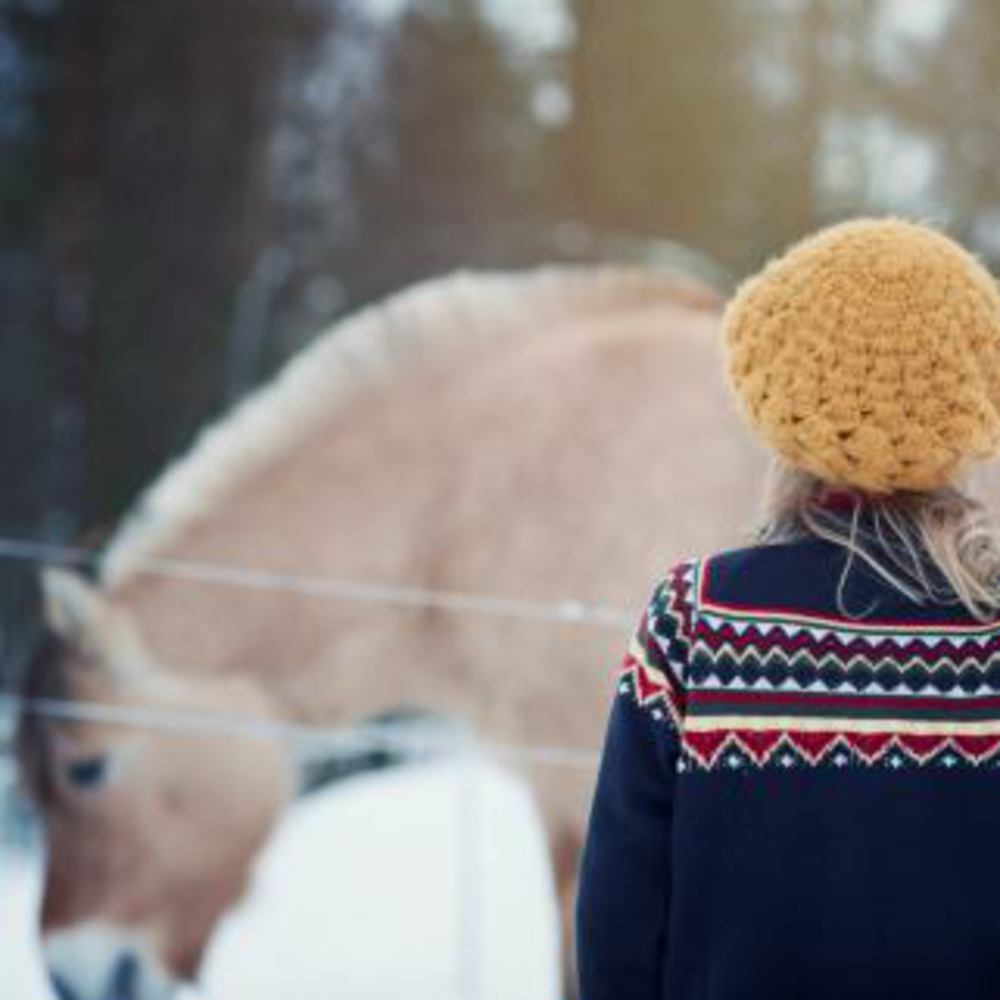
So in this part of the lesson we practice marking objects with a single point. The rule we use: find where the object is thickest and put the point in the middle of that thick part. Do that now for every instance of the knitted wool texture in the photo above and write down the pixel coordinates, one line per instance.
(869, 354)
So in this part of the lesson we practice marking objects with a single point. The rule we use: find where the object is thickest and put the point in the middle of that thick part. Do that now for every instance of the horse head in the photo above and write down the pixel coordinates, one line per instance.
(151, 829)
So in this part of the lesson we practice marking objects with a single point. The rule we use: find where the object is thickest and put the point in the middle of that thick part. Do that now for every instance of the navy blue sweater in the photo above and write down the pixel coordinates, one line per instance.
(794, 803)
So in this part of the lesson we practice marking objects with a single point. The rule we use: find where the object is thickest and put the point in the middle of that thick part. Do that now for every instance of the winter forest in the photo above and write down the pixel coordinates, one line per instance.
(192, 193)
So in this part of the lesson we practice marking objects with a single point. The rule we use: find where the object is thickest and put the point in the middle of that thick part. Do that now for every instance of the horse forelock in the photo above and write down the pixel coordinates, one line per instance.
(428, 323)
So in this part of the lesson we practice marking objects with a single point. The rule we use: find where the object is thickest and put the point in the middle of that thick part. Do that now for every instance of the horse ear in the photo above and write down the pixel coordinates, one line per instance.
(72, 605)
(84, 619)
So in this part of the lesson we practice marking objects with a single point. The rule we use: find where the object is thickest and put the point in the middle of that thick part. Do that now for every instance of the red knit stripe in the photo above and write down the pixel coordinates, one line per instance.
(865, 701)
(753, 637)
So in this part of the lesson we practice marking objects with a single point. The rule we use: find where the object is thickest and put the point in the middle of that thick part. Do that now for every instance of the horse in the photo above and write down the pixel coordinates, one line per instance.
(520, 437)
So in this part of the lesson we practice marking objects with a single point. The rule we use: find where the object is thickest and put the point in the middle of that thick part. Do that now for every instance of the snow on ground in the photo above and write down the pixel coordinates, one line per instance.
(427, 882)
(23, 977)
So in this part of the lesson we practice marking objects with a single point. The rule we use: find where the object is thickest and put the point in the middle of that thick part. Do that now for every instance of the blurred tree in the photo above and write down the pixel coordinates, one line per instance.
(180, 210)
(190, 190)
(711, 123)
(29, 58)
(457, 157)
(72, 241)
(186, 90)
(950, 97)
(665, 130)
(134, 206)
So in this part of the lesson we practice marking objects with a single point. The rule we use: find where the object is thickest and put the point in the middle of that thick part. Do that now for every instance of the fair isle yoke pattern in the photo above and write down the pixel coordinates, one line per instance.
(652, 669)
(745, 687)
(803, 766)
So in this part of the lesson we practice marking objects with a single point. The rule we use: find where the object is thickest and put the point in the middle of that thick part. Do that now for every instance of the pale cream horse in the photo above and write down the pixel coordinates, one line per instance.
(542, 436)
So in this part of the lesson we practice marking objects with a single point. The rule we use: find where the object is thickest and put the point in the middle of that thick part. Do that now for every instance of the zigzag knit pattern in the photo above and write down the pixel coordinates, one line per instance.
(651, 671)
(749, 688)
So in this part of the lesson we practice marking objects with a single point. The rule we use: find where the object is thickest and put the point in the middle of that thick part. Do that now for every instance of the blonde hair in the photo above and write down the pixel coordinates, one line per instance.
(940, 546)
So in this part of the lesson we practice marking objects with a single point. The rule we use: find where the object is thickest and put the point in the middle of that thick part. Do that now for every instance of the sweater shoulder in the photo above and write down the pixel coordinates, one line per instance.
(793, 574)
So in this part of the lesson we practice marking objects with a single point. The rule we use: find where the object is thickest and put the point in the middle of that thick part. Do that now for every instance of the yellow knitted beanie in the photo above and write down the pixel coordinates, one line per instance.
(869, 354)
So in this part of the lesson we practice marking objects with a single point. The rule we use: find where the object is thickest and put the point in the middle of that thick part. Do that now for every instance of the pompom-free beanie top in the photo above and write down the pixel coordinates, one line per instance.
(869, 354)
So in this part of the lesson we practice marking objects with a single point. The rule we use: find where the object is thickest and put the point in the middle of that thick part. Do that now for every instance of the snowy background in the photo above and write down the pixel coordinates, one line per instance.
(425, 882)
(191, 191)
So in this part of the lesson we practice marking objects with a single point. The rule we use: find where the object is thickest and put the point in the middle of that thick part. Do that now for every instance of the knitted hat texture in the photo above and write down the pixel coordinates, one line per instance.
(869, 354)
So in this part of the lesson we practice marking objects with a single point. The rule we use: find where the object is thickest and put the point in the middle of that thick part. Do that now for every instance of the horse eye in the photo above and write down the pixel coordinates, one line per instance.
(88, 773)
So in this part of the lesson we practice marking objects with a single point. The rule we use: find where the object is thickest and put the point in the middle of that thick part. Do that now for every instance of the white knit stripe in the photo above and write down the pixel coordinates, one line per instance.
(839, 724)
(873, 690)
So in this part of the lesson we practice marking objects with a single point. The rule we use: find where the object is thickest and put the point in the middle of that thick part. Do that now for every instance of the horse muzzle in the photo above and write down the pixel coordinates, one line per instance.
(98, 962)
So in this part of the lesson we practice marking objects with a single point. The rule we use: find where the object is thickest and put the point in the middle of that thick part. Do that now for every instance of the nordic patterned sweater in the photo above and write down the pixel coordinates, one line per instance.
(794, 804)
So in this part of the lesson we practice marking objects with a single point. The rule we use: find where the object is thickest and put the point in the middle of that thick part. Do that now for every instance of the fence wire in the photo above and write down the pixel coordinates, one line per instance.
(344, 740)
(568, 611)
(310, 740)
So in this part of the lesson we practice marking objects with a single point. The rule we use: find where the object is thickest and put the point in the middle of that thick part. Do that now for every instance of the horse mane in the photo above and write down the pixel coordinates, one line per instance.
(428, 322)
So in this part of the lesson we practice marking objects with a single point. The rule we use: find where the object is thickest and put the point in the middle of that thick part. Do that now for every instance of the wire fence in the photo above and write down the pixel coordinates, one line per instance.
(568, 611)
(335, 740)
(342, 739)
(309, 741)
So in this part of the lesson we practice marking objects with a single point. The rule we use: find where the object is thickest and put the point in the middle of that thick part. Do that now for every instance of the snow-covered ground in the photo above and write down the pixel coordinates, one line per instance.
(427, 882)
(23, 976)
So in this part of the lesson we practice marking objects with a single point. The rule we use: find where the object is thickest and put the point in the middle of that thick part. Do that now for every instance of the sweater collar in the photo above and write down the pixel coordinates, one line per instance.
(839, 498)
